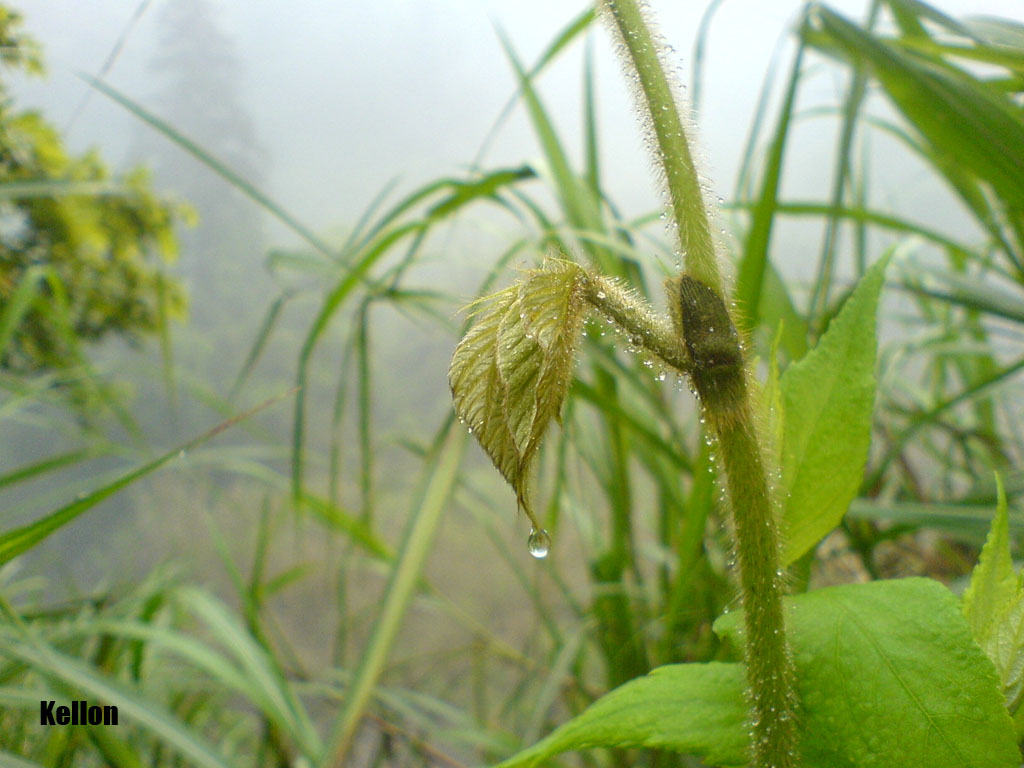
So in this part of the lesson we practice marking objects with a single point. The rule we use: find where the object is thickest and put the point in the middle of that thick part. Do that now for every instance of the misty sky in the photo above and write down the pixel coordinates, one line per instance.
(347, 96)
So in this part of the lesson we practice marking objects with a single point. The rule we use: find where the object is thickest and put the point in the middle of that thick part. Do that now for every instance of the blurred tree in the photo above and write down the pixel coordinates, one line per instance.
(199, 78)
(77, 247)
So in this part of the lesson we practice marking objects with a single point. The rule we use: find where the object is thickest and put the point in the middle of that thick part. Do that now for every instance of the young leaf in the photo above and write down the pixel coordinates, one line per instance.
(694, 708)
(827, 401)
(510, 373)
(993, 583)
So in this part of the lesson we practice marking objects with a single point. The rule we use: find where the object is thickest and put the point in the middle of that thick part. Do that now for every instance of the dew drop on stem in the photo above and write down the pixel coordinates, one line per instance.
(539, 543)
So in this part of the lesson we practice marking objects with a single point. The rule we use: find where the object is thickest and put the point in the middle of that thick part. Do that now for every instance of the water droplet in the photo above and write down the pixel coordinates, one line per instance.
(539, 543)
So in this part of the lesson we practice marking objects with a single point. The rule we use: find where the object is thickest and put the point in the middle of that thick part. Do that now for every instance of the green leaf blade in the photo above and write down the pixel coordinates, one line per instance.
(690, 708)
(889, 675)
(993, 583)
(828, 397)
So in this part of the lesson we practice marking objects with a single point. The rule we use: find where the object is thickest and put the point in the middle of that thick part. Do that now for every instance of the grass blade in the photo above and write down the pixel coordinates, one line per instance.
(755, 253)
(211, 162)
(19, 540)
(442, 472)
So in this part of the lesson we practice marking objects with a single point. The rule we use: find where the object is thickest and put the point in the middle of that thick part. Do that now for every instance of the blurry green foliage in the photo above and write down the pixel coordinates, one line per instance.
(81, 253)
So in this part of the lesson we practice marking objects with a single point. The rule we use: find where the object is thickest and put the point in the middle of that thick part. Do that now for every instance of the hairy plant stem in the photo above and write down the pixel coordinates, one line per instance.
(634, 316)
(719, 374)
(657, 103)
(770, 672)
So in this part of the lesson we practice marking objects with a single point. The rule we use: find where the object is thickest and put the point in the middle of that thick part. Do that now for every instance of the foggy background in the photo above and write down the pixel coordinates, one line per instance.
(346, 96)
(321, 105)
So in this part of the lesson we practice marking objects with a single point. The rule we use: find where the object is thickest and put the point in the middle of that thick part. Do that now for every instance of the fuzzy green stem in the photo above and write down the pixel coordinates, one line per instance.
(658, 105)
(720, 376)
(770, 672)
(634, 316)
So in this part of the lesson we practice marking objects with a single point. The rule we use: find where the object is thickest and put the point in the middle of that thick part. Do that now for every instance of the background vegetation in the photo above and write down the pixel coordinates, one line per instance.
(373, 596)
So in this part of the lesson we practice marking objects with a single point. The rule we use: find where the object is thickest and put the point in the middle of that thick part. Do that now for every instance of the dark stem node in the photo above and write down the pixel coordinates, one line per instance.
(712, 344)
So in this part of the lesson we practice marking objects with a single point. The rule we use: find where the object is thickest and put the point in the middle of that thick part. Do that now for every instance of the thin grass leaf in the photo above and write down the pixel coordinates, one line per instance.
(753, 264)
(579, 205)
(49, 464)
(859, 214)
(957, 117)
(211, 162)
(699, 48)
(441, 473)
(568, 33)
(964, 290)
(332, 302)
(116, 752)
(146, 713)
(980, 388)
(364, 386)
(18, 303)
(909, 13)
(826, 262)
(259, 345)
(20, 540)
(487, 186)
(257, 666)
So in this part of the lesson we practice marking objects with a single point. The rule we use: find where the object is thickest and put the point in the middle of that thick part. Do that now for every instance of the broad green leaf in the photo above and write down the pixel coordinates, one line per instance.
(510, 373)
(827, 400)
(993, 583)
(694, 708)
(889, 676)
